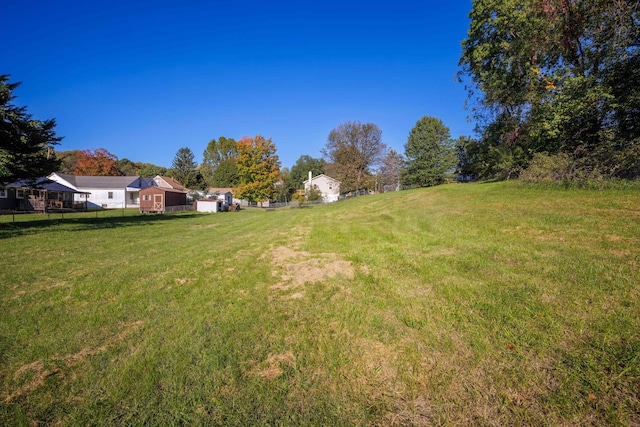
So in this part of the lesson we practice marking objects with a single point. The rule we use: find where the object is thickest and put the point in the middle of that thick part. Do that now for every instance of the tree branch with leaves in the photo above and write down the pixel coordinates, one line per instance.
(258, 169)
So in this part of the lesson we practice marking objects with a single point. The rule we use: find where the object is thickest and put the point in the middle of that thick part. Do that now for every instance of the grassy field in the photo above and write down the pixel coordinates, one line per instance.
(481, 304)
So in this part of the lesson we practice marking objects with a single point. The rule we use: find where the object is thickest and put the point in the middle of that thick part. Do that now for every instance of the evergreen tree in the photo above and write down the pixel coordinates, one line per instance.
(429, 153)
(184, 168)
(26, 144)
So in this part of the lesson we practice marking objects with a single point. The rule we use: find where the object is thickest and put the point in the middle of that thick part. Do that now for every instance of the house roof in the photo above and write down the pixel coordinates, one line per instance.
(44, 184)
(170, 183)
(107, 182)
(220, 190)
(321, 176)
(156, 188)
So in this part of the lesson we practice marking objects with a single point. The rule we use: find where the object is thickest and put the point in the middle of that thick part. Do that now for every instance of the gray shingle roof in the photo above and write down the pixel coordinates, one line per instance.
(107, 182)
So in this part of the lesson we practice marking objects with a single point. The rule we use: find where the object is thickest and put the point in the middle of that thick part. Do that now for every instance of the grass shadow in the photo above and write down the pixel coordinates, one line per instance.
(22, 228)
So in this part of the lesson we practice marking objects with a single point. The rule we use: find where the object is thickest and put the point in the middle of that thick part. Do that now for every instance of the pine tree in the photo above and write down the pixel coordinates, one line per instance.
(26, 144)
(429, 152)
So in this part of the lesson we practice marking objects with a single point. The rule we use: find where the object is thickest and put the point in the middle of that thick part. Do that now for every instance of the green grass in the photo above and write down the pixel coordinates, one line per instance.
(481, 304)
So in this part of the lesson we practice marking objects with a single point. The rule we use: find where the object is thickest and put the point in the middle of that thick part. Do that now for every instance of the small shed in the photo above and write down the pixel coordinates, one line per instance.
(161, 199)
(209, 205)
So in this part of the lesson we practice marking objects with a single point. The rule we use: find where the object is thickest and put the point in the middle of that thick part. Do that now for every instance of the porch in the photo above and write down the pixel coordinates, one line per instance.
(50, 201)
(46, 196)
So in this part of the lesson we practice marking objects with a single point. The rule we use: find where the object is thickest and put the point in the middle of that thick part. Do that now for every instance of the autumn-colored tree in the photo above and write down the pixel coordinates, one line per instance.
(258, 169)
(98, 162)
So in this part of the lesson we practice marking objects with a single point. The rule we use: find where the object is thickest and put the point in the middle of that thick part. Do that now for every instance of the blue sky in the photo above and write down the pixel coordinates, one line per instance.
(143, 79)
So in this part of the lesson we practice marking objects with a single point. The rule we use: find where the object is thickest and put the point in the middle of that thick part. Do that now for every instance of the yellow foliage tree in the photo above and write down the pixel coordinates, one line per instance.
(258, 169)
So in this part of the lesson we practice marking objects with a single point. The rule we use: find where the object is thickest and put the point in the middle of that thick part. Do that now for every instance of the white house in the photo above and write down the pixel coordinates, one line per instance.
(224, 194)
(328, 187)
(110, 192)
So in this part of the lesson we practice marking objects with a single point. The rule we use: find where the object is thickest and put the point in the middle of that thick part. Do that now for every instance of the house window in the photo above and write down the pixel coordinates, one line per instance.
(19, 194)
(147, 197)
(110, 195)
(331, 186)
(3, 193)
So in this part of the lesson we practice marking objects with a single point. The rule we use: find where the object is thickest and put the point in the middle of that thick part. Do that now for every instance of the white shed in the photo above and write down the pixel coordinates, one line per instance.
(209, 205)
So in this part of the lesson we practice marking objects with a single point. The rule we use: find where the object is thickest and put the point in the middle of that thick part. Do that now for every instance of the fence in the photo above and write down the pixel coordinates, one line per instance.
(180, 208)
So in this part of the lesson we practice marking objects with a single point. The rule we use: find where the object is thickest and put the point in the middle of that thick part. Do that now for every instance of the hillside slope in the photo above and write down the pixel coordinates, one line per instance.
(483, 304)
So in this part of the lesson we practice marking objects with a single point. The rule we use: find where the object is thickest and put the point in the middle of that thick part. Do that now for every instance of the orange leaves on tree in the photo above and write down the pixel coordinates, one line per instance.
(98, 162)
(258, 169)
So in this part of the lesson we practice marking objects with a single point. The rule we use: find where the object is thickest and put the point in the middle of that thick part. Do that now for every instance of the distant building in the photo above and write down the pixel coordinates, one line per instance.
(43, 195)
(110, 192)
(328, 187)
(224, 194)
(167, 195)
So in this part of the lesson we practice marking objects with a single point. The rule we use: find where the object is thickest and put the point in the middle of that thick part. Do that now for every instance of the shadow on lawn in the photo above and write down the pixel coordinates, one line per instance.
(21, 228)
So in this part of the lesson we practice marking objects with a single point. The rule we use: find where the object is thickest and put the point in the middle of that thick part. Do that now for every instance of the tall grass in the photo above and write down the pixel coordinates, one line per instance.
(484, 304)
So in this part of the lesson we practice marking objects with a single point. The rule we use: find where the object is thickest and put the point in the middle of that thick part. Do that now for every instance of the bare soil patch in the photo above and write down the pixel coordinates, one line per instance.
(297, 268)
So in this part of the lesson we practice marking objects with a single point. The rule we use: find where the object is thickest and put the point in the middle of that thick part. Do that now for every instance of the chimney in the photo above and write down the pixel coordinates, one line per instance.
(310, 184)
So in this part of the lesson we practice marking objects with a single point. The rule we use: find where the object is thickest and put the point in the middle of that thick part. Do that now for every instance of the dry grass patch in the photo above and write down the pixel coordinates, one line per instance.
(33, 376)
(272, 367)
(42, 285)
(297, 268)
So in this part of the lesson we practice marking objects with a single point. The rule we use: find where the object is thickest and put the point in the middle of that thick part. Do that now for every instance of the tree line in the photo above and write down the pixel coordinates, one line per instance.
(354, 153)
(553, 84)
(553, 78)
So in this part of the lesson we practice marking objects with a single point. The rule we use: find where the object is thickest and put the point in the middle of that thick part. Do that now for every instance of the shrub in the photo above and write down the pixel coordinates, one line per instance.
(543, 167)
(562, 169)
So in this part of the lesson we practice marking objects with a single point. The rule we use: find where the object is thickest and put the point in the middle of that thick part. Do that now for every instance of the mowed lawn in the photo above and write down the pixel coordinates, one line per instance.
(479, 304)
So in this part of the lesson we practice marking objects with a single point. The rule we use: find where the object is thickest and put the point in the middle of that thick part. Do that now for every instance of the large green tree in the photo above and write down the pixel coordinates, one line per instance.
(305, 164)
(26, 144)
(128, 168)
(429, 153)
(284, 186)
(149, 170)
(352, 151)
(557, 76)
(258, 169)
(184, 168)
(219, 167)
(68, 160)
